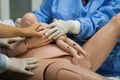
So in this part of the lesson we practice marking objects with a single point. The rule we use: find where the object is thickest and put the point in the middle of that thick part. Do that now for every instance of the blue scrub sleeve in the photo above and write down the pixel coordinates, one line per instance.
(3, 63)
(97, 19)
(44, 13)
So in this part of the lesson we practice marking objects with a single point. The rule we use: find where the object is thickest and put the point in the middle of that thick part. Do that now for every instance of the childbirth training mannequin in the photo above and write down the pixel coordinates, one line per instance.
(63, 42)
(56, 64)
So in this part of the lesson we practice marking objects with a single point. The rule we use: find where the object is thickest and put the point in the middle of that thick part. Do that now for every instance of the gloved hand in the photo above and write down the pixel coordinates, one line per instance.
(61, 27)
(22, 65)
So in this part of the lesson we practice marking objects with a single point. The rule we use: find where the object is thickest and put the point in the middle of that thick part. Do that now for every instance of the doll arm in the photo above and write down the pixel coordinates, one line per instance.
(80, 57)
(70, 46)
(8, 31)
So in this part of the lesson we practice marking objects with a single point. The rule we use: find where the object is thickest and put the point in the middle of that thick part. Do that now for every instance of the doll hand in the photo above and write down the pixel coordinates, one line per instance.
(60, 27)
(22, 65)
(83, 62)
(79, 55)
(70, 46)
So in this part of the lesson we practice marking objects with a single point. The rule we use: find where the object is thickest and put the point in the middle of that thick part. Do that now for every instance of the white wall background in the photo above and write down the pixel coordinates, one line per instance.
(36, 4)
(4, 8)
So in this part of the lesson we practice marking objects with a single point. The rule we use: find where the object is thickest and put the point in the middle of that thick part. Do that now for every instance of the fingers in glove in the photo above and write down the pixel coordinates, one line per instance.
(28, 72)
(51, 25)
(31, 60)
(51, 31)
(31, 66)
(55, 34)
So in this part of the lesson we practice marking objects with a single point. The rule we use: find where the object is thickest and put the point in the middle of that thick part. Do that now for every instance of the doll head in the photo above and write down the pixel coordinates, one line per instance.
(28, 19)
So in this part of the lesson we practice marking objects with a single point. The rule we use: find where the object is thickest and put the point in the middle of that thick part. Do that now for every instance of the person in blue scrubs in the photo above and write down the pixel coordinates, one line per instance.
(85, 18)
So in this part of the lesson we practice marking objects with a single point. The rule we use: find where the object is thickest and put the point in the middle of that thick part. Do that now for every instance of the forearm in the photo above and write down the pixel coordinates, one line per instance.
(8, 31)
(96, 19)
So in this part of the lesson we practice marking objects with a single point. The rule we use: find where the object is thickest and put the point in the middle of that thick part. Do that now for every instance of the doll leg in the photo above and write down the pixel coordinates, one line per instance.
(65, 70)
(101, 44)
(58, 70)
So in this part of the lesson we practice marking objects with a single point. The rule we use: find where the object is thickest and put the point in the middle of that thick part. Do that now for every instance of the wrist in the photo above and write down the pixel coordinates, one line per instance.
(75, 27)
(23, 32)
(19, 32)
(8, 63)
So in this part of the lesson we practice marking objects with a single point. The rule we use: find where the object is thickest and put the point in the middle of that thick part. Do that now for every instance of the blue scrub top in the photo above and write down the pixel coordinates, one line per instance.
(92, 16)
